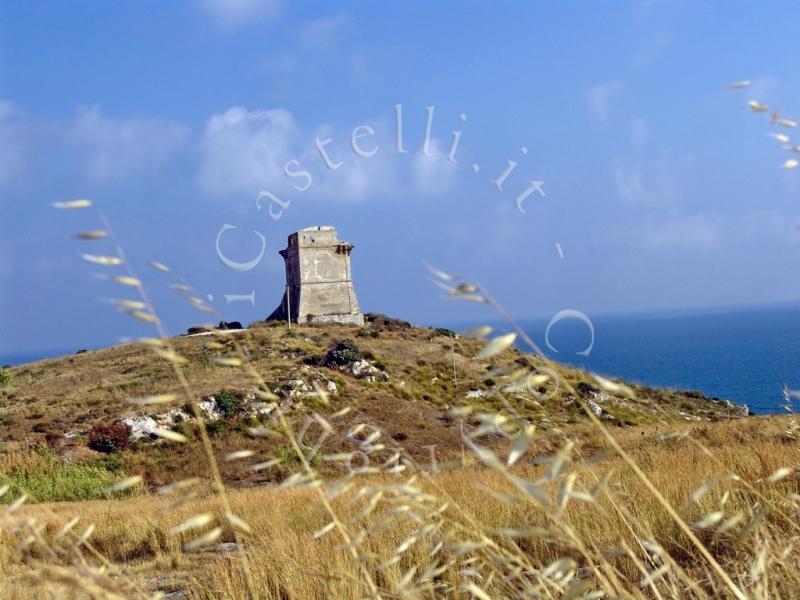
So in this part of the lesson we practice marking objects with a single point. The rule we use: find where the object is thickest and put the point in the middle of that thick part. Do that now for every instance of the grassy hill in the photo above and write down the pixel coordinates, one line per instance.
(384, 462)
(412, 377)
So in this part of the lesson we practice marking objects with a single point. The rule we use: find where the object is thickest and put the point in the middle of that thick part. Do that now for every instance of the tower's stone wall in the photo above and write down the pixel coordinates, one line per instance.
(319, 284)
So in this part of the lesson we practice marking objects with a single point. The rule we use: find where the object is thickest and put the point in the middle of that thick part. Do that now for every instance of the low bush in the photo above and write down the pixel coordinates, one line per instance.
(586, 389)
(228, 403)
(108, 437)
(6, 375)
(342, 352)
(215, 428)
(380, 320)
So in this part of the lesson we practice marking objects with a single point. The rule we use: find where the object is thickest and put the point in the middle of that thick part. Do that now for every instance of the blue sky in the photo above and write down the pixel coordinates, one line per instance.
(662, 189)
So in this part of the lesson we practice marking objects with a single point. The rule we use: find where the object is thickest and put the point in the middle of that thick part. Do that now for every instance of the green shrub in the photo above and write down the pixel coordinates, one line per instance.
(342, 352)
(215, 427)
(228, 403)
(6, 375)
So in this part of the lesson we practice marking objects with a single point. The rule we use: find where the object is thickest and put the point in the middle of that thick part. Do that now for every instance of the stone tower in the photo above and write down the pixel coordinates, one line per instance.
(319, 286)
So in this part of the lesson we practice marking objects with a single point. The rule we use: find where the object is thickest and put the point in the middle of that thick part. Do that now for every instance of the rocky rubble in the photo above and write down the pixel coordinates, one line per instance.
(345, 356)
(300, 386)
(363, 369)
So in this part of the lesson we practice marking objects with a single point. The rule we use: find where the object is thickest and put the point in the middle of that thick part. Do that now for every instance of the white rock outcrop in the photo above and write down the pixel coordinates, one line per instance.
(299, 388)
(363, 369)
(594, 407)
(208, 406)
(173, 416)
(141, 427)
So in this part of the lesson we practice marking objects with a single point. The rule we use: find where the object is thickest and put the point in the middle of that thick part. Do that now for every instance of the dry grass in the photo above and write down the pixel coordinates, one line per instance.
(288, 563)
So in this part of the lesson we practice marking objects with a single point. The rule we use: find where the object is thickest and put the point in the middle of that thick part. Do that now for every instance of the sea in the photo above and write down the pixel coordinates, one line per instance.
(746, 355)
(743, 355)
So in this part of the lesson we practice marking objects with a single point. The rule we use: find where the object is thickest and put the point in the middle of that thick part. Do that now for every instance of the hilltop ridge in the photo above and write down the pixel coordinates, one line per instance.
(397, 377)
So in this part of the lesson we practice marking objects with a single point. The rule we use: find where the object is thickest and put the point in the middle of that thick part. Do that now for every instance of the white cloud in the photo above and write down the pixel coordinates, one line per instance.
(358, 178)
(434, 174)
(648, 181)
(244, 151)
(233, 14)
(688, 231)
(239, 152)
(601, 98)
(90, 146)
(385, 175)
(114, 149)
(706, 231)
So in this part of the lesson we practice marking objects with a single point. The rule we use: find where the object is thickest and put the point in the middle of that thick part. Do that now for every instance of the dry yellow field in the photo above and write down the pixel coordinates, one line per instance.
(480, 534)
